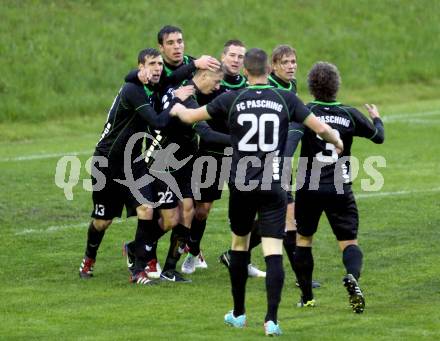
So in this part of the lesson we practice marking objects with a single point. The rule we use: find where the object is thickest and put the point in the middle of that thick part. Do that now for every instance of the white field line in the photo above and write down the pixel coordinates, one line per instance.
(57, 228)
(44, 156)
(416, 121)
(409, 116)
(387, 194)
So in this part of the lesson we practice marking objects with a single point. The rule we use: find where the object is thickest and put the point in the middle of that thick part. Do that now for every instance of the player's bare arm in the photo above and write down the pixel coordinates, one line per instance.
(324, 131)
(373, 111)
(190, 115)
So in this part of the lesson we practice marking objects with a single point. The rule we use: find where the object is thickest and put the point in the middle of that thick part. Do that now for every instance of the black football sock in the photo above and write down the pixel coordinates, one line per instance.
(94, 239)
(140, 242)
(352, 259)
(303, 266)
(154, 235)
(289, 243)
(195, 236)
(179, 237)
(274, 285)
(238, 273)
(152, 254)
(255, 239)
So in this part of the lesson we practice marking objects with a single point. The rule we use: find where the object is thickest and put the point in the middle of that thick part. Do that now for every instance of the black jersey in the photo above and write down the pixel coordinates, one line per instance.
(174, 75)
(179, 133)
(258, 118)
(296, 129)
(176, 131)
(277, 82)
(321, 156)
(131, 112)
(227, 84)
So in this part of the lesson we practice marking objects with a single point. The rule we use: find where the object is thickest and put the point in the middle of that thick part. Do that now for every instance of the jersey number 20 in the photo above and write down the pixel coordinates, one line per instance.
(258, 125)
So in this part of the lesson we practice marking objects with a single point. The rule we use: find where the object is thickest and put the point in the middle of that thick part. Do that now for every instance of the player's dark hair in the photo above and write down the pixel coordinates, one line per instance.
(323, 81)
(255, 62)
(149, 52)
(280, 51)
(167, 29)
(232, 42)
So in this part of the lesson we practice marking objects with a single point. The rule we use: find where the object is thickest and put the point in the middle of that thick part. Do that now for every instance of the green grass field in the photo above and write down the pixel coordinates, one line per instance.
(61, 64)
(43, 237)
(65, 58)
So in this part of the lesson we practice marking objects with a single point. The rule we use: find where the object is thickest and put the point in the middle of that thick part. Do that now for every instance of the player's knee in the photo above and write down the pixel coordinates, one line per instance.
(343, 244)
(101, 224)
(170, 221)
(202, 212)
(188, 212)
(144, 212)
(240, 242)
(305, 241)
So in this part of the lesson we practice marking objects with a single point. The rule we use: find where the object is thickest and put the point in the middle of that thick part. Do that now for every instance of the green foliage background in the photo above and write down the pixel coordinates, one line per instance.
(67, 58)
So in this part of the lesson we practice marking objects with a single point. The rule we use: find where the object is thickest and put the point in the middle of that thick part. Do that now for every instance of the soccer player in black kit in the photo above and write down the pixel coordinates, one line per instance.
(131, 113)
(324, 185)
(177, 68)
(183, 140)
(258, 117)
(184, 135)
(232, 63)
(284, 66)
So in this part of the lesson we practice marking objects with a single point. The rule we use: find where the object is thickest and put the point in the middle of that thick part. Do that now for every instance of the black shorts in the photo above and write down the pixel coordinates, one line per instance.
(109, 196)
(183, 179)
(270, 205)
(340, 209)
(109, 201)
(214, 191)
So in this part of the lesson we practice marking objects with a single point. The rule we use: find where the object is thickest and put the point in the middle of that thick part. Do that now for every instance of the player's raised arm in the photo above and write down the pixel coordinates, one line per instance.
(379, 134)
(324, 131)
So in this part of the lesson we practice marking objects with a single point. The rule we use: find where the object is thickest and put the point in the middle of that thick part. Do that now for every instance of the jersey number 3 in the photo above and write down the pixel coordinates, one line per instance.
(329, 148)
(258, 125)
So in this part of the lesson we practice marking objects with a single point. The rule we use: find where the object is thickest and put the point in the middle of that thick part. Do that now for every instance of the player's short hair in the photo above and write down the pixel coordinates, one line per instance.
(148, 52)
(280, 51)
(232, 42)
(167, 29)
(210, 72)
(256, 62)
(323, 81)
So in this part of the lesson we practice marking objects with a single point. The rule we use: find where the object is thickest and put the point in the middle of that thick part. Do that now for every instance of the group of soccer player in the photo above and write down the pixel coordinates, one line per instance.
(175, 112)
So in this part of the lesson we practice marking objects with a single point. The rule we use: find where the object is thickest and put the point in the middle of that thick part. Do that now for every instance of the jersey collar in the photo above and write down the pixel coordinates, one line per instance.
(148, 91)
(260, 86)
(326, 103)
(280, 83)
(237, 81)
(168, 68)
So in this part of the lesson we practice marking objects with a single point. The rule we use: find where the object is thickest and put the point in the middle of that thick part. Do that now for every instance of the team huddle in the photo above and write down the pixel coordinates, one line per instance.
(181, 128)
